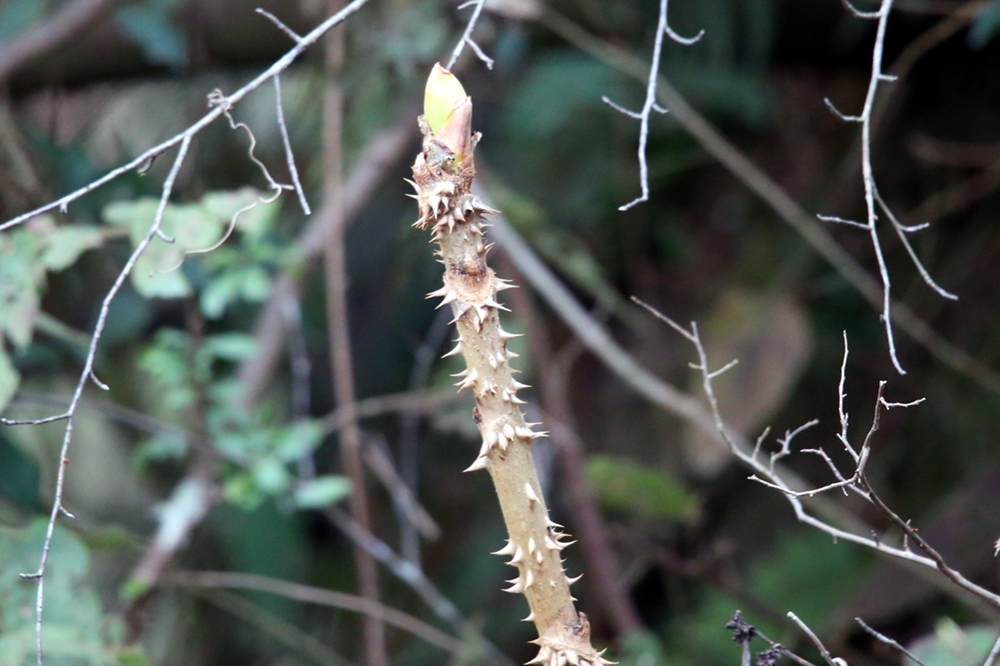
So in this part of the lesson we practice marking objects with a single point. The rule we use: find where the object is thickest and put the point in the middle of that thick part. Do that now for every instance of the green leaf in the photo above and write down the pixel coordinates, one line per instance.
(623, 485)
(16, 15)
(322, 491)
(19, 284)
(251, 283)
(152, 276)
(20, 477)
(149, 24)
(64, 245)
(241, 489)
(9, 380)
(951, 645)
(161, 447)
(442, 93)
(230, 346)
(271, 476)
(76, 629)
(986, 26)
(299, 439)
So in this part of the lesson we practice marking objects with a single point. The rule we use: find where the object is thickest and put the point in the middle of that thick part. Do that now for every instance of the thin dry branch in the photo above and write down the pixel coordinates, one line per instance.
(744, 632)
(994, 653)
(874, 200)
(467, 37)
(88, 375)
(214, 114)
(314, 595)
(338, 327)
(776, 478)
(220, 106)
(829, 658)
(413, 575)
(716, 145)
(882, 638)
(650, 105)
(289, 155)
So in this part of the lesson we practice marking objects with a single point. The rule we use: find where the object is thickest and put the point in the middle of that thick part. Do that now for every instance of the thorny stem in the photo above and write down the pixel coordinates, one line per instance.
(443, 176)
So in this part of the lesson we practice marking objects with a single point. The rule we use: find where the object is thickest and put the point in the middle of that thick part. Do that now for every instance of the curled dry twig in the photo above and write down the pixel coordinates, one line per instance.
(221, 106)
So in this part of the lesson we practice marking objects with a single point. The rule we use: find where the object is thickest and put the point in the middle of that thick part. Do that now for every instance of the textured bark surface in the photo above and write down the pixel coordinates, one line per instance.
(455, 217)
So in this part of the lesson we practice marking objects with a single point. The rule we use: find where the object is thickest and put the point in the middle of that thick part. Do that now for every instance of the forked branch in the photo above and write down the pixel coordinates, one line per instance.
(769, 475)
(873, 200)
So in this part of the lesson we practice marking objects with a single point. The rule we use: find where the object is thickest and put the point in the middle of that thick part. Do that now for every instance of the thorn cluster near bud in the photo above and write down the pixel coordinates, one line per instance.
(442, 178)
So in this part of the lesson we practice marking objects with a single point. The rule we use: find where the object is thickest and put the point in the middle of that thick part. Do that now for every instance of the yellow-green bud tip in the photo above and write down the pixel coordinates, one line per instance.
(443, 92)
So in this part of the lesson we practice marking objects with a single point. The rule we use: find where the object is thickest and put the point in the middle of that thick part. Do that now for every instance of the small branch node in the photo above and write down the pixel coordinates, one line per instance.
(888, 641)
(843, 116)
(686, 41)
(488, 61)
(840, 220)
(860, 14)
(97, 382)
(727, 366)
(621, 109)
(294, 36)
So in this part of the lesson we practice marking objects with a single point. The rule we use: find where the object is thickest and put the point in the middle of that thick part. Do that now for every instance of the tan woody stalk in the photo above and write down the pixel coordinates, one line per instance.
(443, 174)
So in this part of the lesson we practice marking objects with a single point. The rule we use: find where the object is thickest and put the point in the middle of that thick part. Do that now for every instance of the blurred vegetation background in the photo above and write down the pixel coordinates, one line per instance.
(693, 540)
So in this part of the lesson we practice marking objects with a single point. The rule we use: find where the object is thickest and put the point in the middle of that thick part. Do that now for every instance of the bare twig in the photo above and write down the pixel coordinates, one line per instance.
(283, 631)
(882, 638)
(994, 653)
(467, 37)
(413, 575)
(873, 199)
(858, 482)
(314, 595)
(289, 155)
(650, 105)
(337, 314)
(744, 633)
(291, 34)
(279, 66)
(830, 659)
(784, 206)
(86, 375)
(221, 106)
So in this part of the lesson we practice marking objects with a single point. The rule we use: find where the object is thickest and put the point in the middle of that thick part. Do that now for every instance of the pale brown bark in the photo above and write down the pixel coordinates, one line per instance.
(454, 214)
